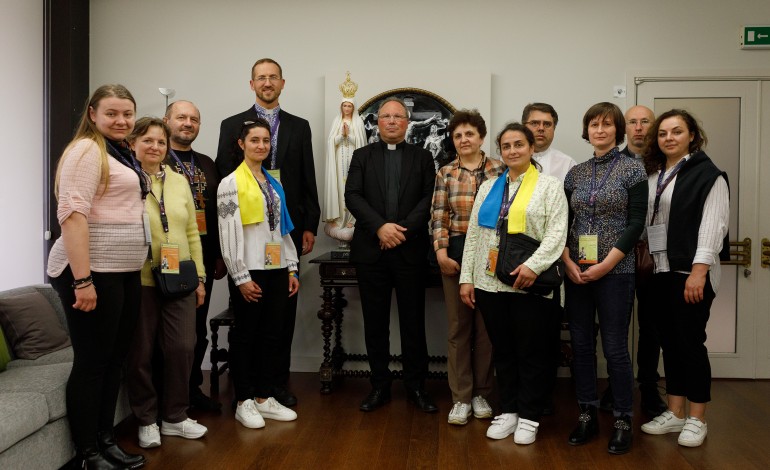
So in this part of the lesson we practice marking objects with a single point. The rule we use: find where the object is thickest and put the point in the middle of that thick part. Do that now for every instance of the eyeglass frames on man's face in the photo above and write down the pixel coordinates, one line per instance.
(391, 117)
(635, 122)
(264, 78)
(536, 124)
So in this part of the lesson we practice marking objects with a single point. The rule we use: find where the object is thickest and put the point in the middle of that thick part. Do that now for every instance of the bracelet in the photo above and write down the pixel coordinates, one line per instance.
(294, 274)
(83, 286)
(84, 280)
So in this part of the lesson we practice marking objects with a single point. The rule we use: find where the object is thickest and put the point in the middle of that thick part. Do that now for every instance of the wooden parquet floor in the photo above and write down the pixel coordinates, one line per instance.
(331, 433)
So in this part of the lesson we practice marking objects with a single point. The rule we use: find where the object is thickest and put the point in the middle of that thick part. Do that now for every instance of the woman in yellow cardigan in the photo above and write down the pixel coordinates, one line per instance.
(169, 323)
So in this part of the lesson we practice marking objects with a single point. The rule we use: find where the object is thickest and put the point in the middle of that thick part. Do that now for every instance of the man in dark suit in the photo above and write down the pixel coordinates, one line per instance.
(388, 191)
(184, 122)
(291, 163)
(639, 119)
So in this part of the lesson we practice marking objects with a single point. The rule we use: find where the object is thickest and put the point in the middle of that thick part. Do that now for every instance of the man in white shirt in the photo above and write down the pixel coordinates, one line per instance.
(542, 119)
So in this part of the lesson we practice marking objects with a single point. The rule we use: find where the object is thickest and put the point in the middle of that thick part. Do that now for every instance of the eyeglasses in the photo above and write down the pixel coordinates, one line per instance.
(536, 124)
(634, 122)
(389, 117)
(264, 78)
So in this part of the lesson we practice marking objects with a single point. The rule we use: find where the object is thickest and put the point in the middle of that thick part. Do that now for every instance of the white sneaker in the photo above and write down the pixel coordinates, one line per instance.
(503, 426)
(271, 409)
(189, 429)
(247, 415)
(149, 436)
(665, 423)
(481, 408)
(460, 413)
(526, 431)
(693, 433)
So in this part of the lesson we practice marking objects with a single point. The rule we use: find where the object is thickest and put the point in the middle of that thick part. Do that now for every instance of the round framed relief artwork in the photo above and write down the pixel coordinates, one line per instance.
(429, 115)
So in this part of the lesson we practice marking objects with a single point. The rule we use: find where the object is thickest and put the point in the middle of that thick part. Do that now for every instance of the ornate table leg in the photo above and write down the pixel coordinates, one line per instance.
(326, 315)
(214, 374)
(338, 353)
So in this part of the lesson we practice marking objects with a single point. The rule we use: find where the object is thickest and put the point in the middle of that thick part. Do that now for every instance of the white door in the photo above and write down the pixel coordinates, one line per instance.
(729, 112)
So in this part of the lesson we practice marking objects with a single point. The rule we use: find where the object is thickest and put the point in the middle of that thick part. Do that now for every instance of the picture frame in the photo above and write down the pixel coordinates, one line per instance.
(429, 115)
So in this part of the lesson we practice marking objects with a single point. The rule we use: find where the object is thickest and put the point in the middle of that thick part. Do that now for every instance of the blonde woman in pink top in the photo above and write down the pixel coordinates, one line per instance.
(95, 267)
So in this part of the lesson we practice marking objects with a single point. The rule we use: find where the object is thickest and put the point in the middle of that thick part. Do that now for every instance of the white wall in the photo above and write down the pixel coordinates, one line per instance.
(21, 135)
(567, 53)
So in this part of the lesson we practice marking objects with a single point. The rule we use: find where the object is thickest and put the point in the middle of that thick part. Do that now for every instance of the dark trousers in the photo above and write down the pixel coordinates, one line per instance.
(255, 338)
(520, 326)
(201, 334)
(168, 327)
(611, 297)
(100, 341)
(683, 336)
(376, 282)
(286, 327)
(648, 346)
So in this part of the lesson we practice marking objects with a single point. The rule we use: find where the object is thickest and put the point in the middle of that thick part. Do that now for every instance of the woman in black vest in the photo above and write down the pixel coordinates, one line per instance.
(688, 215)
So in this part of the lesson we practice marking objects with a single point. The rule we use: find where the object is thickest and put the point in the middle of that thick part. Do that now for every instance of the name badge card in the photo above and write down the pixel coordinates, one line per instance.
(588, 252)
(272, 255)
(146, 223)
(491, 261)
(200, 218)
(169, 258)
(275, 174)
(657, 238)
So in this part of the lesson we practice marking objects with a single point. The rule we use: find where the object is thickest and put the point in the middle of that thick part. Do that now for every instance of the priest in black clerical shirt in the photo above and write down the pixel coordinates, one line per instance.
(388, 191)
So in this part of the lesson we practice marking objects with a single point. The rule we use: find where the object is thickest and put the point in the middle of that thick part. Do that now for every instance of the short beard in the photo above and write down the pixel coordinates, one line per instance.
(181, 141)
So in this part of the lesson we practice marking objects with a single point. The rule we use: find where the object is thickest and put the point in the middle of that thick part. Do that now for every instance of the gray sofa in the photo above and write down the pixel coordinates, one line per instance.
(34, 432)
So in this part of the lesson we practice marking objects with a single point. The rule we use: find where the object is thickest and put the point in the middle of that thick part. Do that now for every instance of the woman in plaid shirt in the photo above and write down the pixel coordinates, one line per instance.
(469, 361)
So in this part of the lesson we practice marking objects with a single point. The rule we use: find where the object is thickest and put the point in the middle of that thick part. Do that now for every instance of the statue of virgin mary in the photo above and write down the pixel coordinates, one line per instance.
(347, 134)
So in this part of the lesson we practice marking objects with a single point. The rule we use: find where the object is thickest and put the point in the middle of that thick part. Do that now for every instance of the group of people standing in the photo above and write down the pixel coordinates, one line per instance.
(133, 192)
(589, 217)
(135, 200)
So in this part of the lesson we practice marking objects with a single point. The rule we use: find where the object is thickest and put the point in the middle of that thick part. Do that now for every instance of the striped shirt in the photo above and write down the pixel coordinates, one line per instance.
(116, 242)
(453, 197)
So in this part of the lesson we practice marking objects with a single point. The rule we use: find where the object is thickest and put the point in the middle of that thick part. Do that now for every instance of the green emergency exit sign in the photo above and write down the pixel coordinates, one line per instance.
(755, 37)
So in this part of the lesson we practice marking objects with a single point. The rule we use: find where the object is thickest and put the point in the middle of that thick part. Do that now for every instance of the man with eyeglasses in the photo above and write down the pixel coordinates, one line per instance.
(291, 163)
(639, 119)
(388, 191)
(542, 119)
(184, 122)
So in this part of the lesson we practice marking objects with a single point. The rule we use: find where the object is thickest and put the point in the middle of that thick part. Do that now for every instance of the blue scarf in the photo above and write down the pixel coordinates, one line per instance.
(286, 224)
(489, 211)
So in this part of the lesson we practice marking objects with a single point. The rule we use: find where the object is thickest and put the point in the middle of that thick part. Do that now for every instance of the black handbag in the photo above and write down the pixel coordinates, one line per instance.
(453, 251)
(173, 286)
(515, 249)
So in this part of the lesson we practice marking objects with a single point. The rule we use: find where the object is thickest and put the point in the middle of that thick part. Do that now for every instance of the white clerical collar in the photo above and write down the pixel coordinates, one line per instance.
(542, 154)
(391, 146)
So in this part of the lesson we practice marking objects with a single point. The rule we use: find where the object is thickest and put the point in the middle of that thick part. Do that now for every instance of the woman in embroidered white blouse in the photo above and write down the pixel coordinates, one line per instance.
(518, 323)
(261, 261)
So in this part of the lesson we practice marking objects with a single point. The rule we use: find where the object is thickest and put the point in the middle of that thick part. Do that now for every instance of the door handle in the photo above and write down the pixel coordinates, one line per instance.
(740, 254)
(765, 253)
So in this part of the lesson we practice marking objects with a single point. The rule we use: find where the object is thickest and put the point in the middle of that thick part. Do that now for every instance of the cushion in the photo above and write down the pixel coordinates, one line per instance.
(58, 357)
(22, 414)
(49, 381)
(31, 325)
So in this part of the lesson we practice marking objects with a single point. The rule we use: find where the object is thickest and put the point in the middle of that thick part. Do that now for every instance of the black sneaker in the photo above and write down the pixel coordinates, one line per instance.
(200, 401)
(284, 396)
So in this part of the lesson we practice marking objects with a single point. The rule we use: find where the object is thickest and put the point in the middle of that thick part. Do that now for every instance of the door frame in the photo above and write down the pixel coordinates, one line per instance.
(752, 356)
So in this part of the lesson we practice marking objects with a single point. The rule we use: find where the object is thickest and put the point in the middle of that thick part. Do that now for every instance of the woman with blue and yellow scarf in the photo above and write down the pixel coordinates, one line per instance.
(261, 261)
(521, 200)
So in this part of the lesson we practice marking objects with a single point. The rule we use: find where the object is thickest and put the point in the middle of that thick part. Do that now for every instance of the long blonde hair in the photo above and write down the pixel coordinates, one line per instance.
(87, 130)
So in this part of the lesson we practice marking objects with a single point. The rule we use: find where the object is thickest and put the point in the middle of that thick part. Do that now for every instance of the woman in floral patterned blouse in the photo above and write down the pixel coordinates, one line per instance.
(518, 322)
(608, 203)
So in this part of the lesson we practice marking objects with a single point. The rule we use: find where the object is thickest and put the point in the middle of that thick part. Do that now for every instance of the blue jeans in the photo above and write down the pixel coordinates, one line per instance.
(612, 297)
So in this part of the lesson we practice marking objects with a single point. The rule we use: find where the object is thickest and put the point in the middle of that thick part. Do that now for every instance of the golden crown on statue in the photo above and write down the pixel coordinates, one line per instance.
(348, 87)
